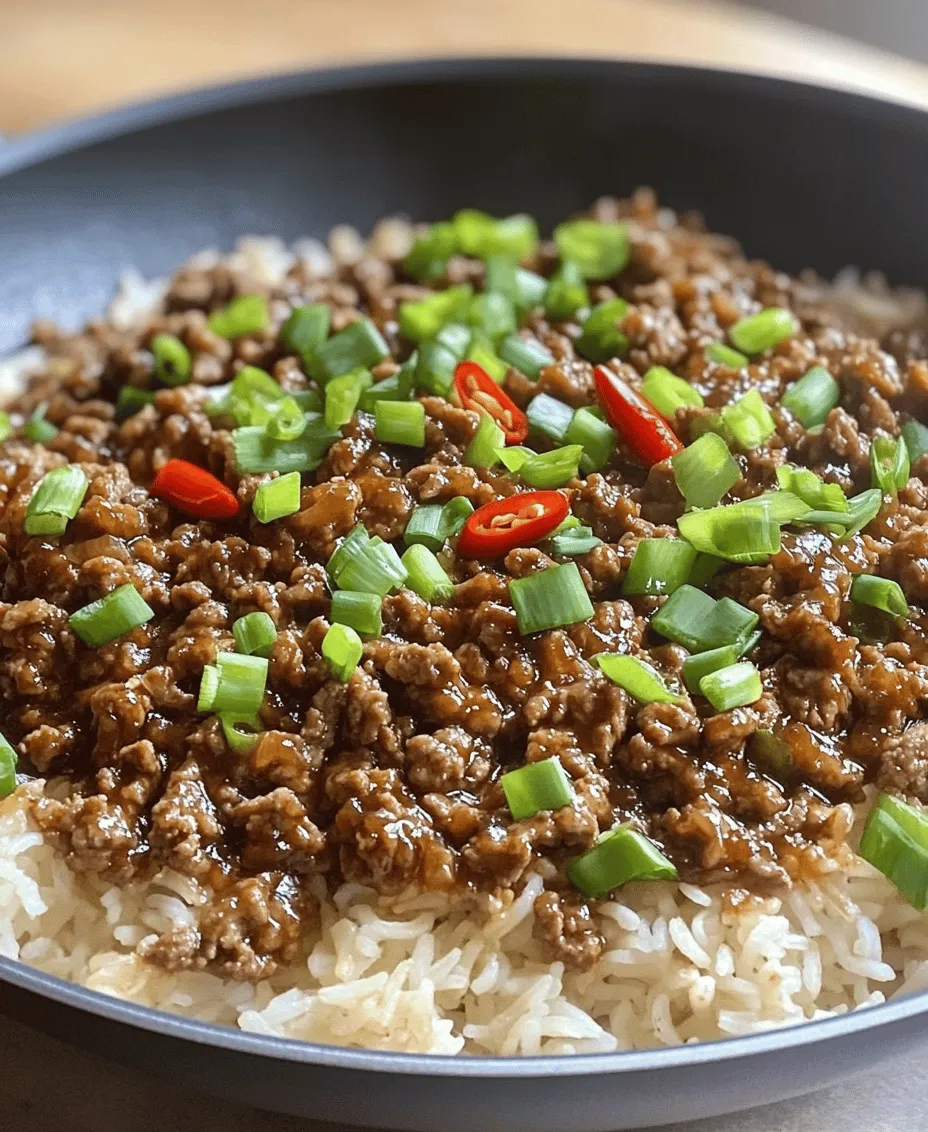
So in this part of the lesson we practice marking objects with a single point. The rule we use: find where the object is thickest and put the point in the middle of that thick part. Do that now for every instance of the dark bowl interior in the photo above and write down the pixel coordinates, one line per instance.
(803, 177)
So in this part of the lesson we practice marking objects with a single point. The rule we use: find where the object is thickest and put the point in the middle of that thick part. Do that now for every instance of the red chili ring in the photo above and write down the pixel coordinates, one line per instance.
(477, 390)
(636, 420)
(532, 516)
(195, 491)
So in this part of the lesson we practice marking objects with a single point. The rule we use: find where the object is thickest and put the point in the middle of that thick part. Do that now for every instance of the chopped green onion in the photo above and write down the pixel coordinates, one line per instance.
(56, 499)
(550, 599)
(704, 471)
(287, 420)
(733, 686)
(596, 438)
(895, 841)
(772, 754)
(256, 452)
(537, 788)
(481, 351)
(426, 576)
(306, 328)
(683, 617)
(527, 355)
(350, 546)
(860, 510)
(762, 331)
(6, 425)
(704, 569)
(549, 416)
(37, 428)
(359, 611)
(549, 469)
(481, 452)
(750, 421)
(245, 315)
(481, 235)
(600, 338)
(432, 250)
(456, 337)
(599, 248)
(241, 732)
(426, 527)
(514, 456)
(659, 566)
(639, 679)
(813, 397)
(209, 683)
(619, 856)
(435, 366)
(566, 292)
(277, 498)
(398, 387)
(172, 359)
(342, 648)
(889, 464)
(454, 515)
(358, 346)
(780, 506)
(400, 422)
(702, 663)
(8, 759)
(811, 488)
(710, 422)
(881, 593)
(730, 623)
(573, 542)
(422, 319)
(915, 436)
(112, 616)
(255, 634)
(747, 644)
(501, 276)
(494, 314)
(734, 533)
(724, 355)
(242, 679)
(530, 289)
(667, 392)
(342, 395)
(375, 569)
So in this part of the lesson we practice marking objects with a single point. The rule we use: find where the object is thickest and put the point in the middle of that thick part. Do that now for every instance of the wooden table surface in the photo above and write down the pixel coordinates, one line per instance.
(65, 58)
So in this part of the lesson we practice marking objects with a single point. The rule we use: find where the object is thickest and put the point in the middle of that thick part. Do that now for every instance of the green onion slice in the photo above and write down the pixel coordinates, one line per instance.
(426, 575)
(772, 754)
(493, 314)
(749, 420)
(277, 498)
(861, 509)
(813, 397)
(600, 338)
(245, 315)
(699, 622)
(639, 679)
(737, 533)
(881, 593)
(811, 489)
(256, 452)
(209, 683)
(550, 599)
(573, 542)
(358, 346)
(8, 760)
(667, 392)
(242, 732)
(306, 328)
(400, 422)
(550, 417)
(527, 355)
(596, 438)
(342, 395)
(731, 687)
(242, 679)
(375, 569)
(359, 611)
(598, 248)
(889, 464)
(426, 527)
(537, 788)
(129, 400)
(724, 355)
(172, 359)
(286, 420)
(255, 634)
(659, 566)
(454, 515)
(915, 437)
(432, 250)
(704, 471)
(544, 469)
(342, 648)
(422, 319)
(486, 442)
(566, 293)
(895, 841)
(762, 331)
(111, 617)
(619, 856)
(37, 428)
(57, 498)
(478, 234)
(700, 664)
(350, 546)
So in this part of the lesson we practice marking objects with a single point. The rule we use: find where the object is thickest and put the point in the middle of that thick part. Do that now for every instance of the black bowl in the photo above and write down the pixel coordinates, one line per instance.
(803, 176)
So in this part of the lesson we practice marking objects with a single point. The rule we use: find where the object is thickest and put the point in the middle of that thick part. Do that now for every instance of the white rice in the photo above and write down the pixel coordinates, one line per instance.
(416, 973)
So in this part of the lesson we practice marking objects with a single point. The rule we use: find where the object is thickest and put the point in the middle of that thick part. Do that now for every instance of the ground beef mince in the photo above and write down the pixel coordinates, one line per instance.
(393, 778)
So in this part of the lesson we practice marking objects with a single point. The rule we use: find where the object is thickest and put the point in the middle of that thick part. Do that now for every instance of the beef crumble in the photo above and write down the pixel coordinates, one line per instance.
(393, 778)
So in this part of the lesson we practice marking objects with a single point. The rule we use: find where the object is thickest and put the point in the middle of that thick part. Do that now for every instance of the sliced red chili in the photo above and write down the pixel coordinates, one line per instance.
(194, 490)
(519, 520)
(477, 390)
(636, 420)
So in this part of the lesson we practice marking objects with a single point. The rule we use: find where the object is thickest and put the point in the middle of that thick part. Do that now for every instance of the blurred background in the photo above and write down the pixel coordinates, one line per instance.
(64, 58)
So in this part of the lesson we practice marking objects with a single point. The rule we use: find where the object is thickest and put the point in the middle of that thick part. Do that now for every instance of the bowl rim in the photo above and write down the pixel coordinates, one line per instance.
(33, 149)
